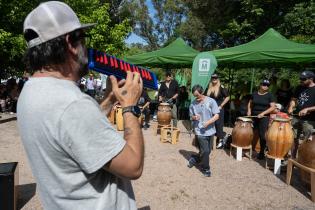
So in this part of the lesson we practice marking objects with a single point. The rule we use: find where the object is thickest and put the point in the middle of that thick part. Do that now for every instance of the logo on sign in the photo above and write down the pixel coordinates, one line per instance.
(204, 65)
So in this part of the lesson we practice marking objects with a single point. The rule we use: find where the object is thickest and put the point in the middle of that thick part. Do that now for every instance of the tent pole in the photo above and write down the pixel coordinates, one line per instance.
(252, 81)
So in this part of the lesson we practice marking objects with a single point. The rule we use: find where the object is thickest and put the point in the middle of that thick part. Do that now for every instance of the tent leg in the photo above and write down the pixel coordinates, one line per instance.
(252, 81)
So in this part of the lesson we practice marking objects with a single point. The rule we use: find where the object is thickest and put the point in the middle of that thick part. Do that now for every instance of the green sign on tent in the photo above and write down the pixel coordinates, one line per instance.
(203, 67)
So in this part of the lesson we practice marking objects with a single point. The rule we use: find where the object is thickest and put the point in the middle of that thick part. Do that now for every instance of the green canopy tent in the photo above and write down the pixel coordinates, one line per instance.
(269, 48)
(176, 54)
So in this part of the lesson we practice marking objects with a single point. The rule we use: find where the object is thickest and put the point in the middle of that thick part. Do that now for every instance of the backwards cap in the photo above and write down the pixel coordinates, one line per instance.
(50, 20)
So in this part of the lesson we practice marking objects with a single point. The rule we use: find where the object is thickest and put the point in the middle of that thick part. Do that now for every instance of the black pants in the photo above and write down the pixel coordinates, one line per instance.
(205, 145)
(262, 125)
(146, 113)
(219, 125)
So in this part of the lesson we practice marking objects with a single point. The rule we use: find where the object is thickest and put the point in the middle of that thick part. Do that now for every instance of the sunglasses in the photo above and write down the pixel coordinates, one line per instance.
(80, 36)
(303, 79)
(264, 84)
(213, 78)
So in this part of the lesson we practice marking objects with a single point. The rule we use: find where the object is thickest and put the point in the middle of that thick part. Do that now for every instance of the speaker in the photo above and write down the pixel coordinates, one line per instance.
(9, 181)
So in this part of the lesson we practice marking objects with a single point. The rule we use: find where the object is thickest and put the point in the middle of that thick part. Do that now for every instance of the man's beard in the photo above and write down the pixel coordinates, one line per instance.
(82, 61)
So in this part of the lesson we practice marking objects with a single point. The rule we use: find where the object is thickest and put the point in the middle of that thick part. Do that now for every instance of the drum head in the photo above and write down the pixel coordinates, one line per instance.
(279, 119)
(244, 119)
(165, 104)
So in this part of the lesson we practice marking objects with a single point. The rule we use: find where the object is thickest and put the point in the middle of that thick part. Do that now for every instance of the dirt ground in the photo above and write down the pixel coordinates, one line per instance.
(167, 183)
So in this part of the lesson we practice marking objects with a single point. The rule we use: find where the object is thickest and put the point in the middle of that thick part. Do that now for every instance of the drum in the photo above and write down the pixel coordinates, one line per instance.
(164, 114)
(306, 156)
(119, 119)
(279, 137)
(242, 133)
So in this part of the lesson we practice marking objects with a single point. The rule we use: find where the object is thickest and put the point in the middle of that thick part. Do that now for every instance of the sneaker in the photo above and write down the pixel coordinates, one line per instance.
(206, 173)
(220, 144)
(191, 162)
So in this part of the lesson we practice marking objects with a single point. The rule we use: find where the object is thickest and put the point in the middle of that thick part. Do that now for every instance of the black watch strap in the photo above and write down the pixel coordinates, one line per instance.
(135, 110)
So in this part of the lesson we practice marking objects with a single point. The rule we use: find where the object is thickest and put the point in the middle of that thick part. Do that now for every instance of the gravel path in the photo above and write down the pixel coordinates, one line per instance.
(167, 183)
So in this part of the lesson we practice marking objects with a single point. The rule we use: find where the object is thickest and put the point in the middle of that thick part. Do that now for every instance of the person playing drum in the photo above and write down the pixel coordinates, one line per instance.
(261, 104)
(168, 93)
(304, 102)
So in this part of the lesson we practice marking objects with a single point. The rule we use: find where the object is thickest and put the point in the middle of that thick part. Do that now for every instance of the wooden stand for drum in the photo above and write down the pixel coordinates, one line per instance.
(277, 163)
(239, 151)
(291, 164)
(169, 134)
(159, 127)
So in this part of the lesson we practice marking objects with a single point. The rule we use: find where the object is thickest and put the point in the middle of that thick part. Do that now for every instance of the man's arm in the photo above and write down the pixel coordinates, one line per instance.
(307, 111)
(129, 162)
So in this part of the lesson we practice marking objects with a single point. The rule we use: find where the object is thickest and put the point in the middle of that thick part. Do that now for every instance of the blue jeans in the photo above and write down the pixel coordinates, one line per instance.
(205, 145)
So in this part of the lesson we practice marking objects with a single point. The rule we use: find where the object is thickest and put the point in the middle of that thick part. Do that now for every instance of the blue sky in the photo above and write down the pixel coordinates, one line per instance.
(133, 38)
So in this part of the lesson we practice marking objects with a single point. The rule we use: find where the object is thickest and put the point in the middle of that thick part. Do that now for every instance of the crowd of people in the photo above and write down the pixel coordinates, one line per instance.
(9, 93)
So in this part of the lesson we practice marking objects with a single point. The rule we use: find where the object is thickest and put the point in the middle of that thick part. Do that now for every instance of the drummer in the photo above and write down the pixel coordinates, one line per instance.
(304, 102)
(261, 104)
(143, 103)
(168, 93)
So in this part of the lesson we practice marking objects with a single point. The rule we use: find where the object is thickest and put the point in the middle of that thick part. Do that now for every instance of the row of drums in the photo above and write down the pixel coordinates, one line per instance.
(279, 137)
(164, 116)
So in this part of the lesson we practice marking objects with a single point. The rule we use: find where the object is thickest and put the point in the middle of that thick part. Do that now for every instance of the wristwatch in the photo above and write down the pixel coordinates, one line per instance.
(135, 110)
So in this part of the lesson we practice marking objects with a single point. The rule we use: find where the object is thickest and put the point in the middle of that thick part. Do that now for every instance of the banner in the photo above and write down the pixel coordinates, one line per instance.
(110, 65)
(203, 67)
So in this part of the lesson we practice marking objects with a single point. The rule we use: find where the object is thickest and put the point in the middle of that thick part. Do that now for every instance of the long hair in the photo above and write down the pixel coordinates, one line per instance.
(214, 89)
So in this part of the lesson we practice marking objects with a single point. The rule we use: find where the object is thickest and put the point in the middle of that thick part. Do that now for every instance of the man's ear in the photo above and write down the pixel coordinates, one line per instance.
(72, 49)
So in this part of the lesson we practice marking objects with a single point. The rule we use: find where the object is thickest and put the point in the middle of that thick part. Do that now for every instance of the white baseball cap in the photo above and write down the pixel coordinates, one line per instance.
(50, 20)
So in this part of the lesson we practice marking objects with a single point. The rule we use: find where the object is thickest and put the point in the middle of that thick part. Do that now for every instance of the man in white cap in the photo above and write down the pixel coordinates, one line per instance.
(304, 102)
(78, 159)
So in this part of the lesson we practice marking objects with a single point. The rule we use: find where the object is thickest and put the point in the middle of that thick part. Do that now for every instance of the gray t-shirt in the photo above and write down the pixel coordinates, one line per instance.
(68, 140)
(206, 109)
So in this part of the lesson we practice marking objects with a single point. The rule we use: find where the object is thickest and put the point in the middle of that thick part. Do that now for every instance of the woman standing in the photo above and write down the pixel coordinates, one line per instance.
(220, 94)
(261, 105)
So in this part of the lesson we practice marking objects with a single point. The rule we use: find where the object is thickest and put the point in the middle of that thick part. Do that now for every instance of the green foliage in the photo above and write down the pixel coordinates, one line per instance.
(108, 35)
(299, 24)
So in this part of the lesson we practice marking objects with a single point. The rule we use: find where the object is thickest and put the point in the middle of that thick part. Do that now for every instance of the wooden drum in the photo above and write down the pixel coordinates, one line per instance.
(242, 133)
(279, 137)
(164, 114)
(306, 156)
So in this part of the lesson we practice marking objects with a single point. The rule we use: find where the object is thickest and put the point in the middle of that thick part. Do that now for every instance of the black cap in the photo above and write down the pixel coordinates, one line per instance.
(307, 75)
(265, 82)
(214, 76)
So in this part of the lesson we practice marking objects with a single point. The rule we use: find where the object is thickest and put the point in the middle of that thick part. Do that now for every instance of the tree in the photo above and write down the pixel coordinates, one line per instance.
(106, 36)
(299, 24)
(159, 28)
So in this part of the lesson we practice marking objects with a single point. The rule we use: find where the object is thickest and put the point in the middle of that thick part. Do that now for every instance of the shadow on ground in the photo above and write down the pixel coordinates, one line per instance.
(145, 208)
(26, 192)
(187, 154)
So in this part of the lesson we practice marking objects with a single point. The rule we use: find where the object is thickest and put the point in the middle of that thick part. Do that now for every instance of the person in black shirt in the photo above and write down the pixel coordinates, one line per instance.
(261, 105)
(284, 93)
(304, 101)
(183, 110)
(144, 102)
(168, 93)
(220, 94)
